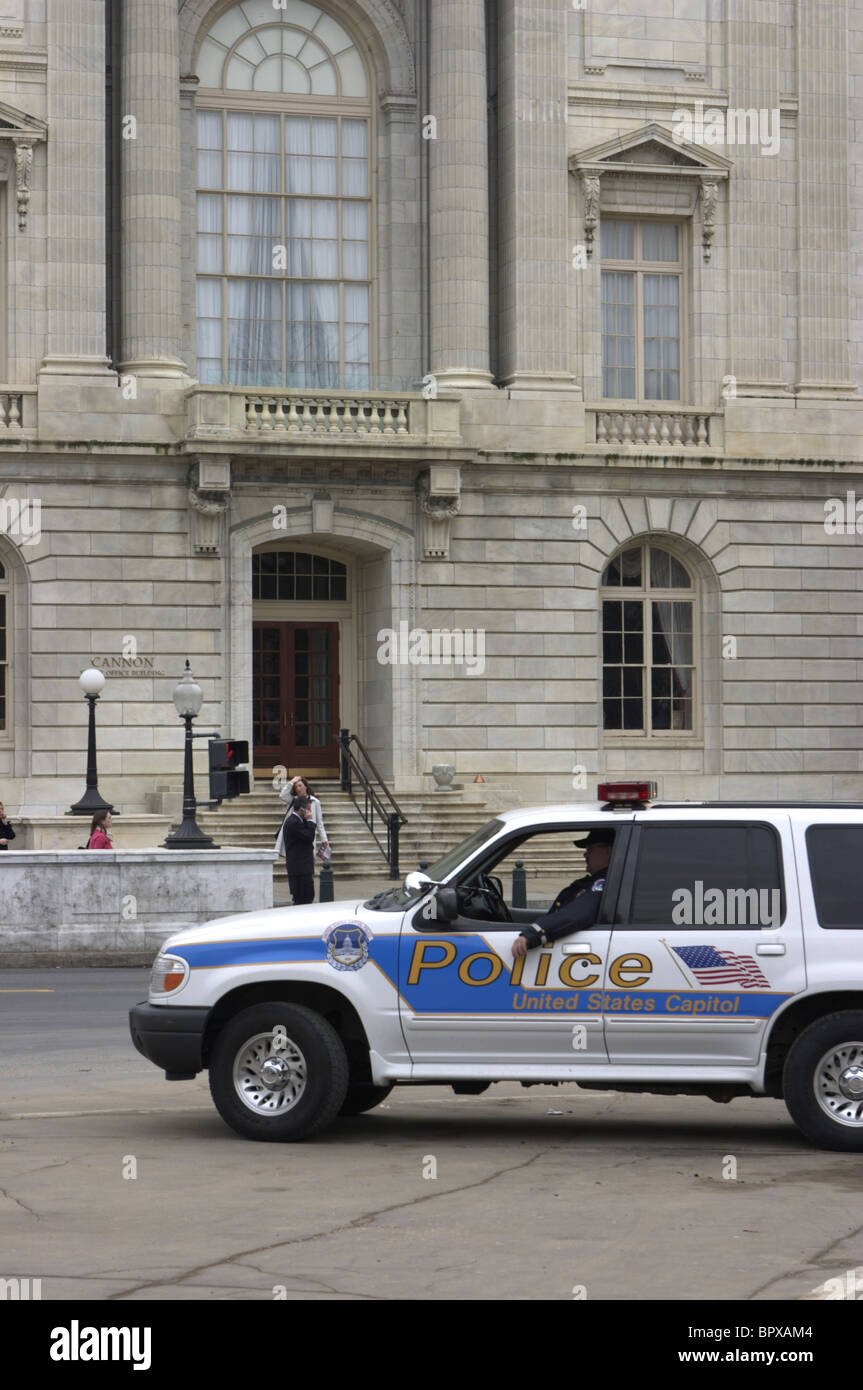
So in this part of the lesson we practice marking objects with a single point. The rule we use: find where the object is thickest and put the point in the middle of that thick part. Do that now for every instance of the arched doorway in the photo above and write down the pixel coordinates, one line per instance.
(303, 637)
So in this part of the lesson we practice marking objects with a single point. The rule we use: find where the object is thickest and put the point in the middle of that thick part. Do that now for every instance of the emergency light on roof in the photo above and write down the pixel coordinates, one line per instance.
(629, 792)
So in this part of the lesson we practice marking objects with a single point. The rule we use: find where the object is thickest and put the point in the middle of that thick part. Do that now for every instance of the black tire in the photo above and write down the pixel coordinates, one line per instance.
(809, 1068)
(320, 1075)
(363, 1096)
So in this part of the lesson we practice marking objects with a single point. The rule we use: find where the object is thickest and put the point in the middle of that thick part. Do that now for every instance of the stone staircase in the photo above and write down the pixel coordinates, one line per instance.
(436, 823)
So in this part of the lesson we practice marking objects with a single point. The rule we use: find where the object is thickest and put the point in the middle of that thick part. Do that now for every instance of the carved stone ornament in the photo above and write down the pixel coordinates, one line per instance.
(23, 174)
(207, 510)
(590, 183)
(437, 513)
(709, 197)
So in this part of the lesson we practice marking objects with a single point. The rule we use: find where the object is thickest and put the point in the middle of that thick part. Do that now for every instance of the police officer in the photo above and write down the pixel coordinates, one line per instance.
(576, 906)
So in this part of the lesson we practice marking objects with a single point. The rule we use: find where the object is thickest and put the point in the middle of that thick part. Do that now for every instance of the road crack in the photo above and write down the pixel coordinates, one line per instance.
(357, 1223)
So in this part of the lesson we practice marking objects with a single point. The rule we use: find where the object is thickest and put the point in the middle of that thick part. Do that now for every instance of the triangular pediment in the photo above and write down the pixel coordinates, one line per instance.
(651, 148)
(14, 121)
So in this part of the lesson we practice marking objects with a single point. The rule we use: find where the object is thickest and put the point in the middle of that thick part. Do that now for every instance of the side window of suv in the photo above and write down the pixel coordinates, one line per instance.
(836, 867)
(708, 875)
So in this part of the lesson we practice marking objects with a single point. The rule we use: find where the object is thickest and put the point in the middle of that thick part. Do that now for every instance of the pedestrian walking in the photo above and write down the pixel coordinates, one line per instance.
(298, 842)
(99, 827)
(6, 831)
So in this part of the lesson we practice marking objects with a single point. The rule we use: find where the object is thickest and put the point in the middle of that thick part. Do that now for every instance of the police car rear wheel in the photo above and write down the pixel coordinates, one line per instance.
(363, 1096)
(278, 1072)
(823, 1081)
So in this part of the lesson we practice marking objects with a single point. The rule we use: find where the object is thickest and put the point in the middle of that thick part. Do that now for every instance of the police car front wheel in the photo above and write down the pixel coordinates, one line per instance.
(823, 1081)
(278, 1072)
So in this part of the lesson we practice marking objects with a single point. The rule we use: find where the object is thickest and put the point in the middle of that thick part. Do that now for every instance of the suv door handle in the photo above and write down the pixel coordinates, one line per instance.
(773, 948)
(579, 948)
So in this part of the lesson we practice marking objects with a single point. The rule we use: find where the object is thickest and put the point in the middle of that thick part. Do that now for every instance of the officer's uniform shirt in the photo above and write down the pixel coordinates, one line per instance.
(575, 907)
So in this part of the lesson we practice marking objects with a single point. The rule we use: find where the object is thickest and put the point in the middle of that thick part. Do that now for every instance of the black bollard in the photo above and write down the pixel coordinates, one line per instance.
(519, 885)
(325, 889)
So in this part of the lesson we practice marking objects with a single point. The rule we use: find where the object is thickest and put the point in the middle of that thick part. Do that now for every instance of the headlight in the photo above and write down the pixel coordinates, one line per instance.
(168, 974)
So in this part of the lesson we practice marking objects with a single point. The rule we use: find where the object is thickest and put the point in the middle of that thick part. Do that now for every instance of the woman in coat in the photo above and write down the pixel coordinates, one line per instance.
(298, 786)
(99, 827)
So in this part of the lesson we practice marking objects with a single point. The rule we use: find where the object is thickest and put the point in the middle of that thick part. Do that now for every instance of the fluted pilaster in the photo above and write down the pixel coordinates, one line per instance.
(534, 186)
(754, 54)
(458, 193)
(75, 269)
(150, 192)
(823, 177)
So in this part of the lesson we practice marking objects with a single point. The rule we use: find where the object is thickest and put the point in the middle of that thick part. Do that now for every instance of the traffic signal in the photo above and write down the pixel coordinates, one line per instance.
(226, 755)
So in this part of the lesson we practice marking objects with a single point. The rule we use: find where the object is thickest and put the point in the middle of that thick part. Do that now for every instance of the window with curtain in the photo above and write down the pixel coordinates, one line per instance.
(642, 273)
(5, 617)
(284, 201)
(648, 643)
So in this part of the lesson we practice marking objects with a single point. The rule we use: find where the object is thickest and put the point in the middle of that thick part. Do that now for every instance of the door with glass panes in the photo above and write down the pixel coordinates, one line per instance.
(296, 696)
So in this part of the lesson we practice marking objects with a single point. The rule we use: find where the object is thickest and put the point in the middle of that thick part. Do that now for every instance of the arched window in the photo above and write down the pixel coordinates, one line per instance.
(284, 201)
(648, 642)
(296, 575)
(5, 620)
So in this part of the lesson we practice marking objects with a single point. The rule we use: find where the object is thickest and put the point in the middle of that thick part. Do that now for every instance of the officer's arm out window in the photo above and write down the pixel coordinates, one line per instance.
(742, 861)
(836, 866)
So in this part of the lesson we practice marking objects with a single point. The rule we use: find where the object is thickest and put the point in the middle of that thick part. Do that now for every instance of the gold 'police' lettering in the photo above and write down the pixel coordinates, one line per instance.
(626, 965)
(419, 962)
(517, 969)
(542, 968)
(464, 968)
(568, 962)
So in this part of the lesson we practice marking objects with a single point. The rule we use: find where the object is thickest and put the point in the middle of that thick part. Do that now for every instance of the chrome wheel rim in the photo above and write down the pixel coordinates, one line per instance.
(839, 1084)
(269, 1074)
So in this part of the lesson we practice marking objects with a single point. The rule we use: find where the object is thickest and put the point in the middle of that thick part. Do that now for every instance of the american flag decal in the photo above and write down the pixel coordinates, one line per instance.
(713, 967)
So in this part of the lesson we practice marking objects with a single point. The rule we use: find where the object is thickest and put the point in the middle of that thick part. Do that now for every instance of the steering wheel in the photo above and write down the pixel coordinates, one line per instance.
(490, 898)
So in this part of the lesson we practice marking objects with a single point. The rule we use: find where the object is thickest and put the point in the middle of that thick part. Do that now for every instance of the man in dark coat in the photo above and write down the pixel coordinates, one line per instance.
(299, 842)
(576, 906)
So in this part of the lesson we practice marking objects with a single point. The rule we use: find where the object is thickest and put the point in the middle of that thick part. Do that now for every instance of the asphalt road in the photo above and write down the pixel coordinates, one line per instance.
(541, 1194)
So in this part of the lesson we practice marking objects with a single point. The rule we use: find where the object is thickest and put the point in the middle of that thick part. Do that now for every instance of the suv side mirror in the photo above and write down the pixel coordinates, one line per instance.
(417, 882)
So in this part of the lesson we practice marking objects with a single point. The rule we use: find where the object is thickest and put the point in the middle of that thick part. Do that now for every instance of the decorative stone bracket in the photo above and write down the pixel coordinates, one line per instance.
(209, 499)
(709, 195)
(590, 183)
(22, 131)
(439, 493)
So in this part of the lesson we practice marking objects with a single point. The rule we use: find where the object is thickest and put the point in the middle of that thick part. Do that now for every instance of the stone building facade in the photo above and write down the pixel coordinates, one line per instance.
(480, 377)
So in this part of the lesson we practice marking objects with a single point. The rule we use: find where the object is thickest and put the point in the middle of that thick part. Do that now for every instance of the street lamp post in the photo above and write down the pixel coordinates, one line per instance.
(92, 683)
(188, 698)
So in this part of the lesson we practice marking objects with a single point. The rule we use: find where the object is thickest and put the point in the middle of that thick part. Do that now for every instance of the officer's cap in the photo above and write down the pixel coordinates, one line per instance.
(595, 837)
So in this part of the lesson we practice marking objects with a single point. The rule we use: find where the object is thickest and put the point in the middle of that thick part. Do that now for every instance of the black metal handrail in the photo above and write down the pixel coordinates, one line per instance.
(377, 799)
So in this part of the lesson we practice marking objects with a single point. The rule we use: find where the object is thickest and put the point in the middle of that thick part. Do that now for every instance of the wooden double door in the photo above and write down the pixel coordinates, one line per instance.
(295, 696)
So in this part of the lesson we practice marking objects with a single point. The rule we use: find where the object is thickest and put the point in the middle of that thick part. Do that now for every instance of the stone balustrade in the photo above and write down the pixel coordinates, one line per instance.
(17, 409)
(232, 412)
(654, 427)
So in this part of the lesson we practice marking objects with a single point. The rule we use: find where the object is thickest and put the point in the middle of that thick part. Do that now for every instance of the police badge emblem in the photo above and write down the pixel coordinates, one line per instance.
(347, 945)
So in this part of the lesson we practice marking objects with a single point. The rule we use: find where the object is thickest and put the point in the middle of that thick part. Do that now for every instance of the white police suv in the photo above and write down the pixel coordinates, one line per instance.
(724, 957)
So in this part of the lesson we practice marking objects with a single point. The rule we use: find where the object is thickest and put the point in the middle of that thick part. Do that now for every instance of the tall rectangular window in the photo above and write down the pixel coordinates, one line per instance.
(284, 276)
(642, 271)
(4, 649)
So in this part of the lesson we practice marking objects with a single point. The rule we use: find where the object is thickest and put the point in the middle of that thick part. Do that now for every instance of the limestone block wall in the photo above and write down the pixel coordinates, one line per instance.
(776, 705)
(113, 575)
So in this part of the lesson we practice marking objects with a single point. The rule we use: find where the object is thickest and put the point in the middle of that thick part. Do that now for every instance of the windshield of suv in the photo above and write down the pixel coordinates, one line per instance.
(441, 869)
